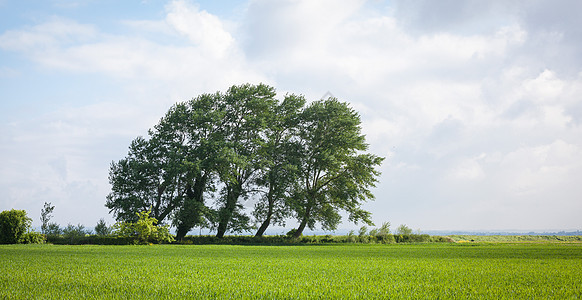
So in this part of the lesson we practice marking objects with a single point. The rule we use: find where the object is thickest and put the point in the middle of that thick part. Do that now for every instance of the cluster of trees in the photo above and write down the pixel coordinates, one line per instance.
(15, 227)
(52, 230)
(142, 231)
(209, 155)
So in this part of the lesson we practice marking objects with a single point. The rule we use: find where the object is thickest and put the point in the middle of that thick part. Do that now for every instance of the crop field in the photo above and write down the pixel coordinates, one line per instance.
(430, 271)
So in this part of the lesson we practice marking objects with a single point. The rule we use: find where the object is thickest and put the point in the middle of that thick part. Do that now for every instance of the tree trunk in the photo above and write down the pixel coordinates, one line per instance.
(181, 232)
(265, 224)
(191, 211)
(225, 214)
(267, 221)
(303, 224)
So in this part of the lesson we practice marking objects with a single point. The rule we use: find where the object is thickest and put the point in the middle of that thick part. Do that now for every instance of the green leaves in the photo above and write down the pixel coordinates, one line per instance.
(333, 174)
(13, 225)
(144, 230)
(307, 161)
(45, 216)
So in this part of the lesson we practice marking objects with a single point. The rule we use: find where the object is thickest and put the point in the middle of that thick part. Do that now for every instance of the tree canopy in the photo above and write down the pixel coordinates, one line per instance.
(208, 157)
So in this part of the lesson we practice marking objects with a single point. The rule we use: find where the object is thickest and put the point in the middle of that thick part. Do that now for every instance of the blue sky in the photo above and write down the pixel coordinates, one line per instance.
(475, 104)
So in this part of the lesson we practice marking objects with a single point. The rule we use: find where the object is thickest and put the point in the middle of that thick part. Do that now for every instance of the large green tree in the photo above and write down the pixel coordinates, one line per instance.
(248, 108)
(307, 162)
(335, 172)
(202, 119)
(169, 172)
(152, 176)
(278, 166)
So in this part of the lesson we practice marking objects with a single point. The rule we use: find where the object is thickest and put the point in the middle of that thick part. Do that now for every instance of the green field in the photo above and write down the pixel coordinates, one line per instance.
(429, 271)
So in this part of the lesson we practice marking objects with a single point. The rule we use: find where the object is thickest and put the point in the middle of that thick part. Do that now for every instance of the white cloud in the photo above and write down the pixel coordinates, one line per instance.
(46, 36)
(476, 116)
(467, 169)
(294, 28)
(202, 28)
(534, 169)
(209, 60)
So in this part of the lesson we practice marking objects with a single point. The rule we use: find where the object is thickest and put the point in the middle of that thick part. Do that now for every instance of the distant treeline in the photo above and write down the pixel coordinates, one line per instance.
(516, 238)
(498, 233)
(318, 239)
(262, 240)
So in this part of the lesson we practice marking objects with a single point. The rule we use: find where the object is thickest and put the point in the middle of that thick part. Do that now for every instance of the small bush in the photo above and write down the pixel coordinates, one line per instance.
(412, 238)
(351, 238)
(385, 238)
(13, 225)
(144, 231)
(442, 239)
(291, 232)
(32, 238)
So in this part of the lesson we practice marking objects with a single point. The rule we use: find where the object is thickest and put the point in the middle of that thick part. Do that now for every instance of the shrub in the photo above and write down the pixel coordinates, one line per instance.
(13, 225)
(412, 238)
(32, 238)
(143, 231)
(385, 238)
(441, 239)
(350, 237)
(291, 232)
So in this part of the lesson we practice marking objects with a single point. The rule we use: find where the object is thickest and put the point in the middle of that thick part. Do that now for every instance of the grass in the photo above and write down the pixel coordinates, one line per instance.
(429, 271)
(516, 238)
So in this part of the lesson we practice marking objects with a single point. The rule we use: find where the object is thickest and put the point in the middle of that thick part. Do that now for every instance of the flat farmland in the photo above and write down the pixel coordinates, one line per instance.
(430, 271)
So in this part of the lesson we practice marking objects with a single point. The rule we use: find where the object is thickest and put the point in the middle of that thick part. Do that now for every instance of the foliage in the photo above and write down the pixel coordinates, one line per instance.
(334, 172)
(45, 216)
(150, 176)
(74, 232)
(363, 231)
(53, 229)
(144, 230)
(13, 225)
(291, 233)
(247, 109)
(240, 144)
(101, 228)
(515, 238)
(384, 229)
(278, 169)
(403, 230)
(32, 238)
(427, 271)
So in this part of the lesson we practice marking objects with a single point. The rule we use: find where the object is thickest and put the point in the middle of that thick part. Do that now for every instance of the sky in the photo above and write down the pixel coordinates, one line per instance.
(476, 105)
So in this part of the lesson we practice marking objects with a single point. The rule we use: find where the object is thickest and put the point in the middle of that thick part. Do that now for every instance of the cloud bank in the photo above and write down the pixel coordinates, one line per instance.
(476, 105)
